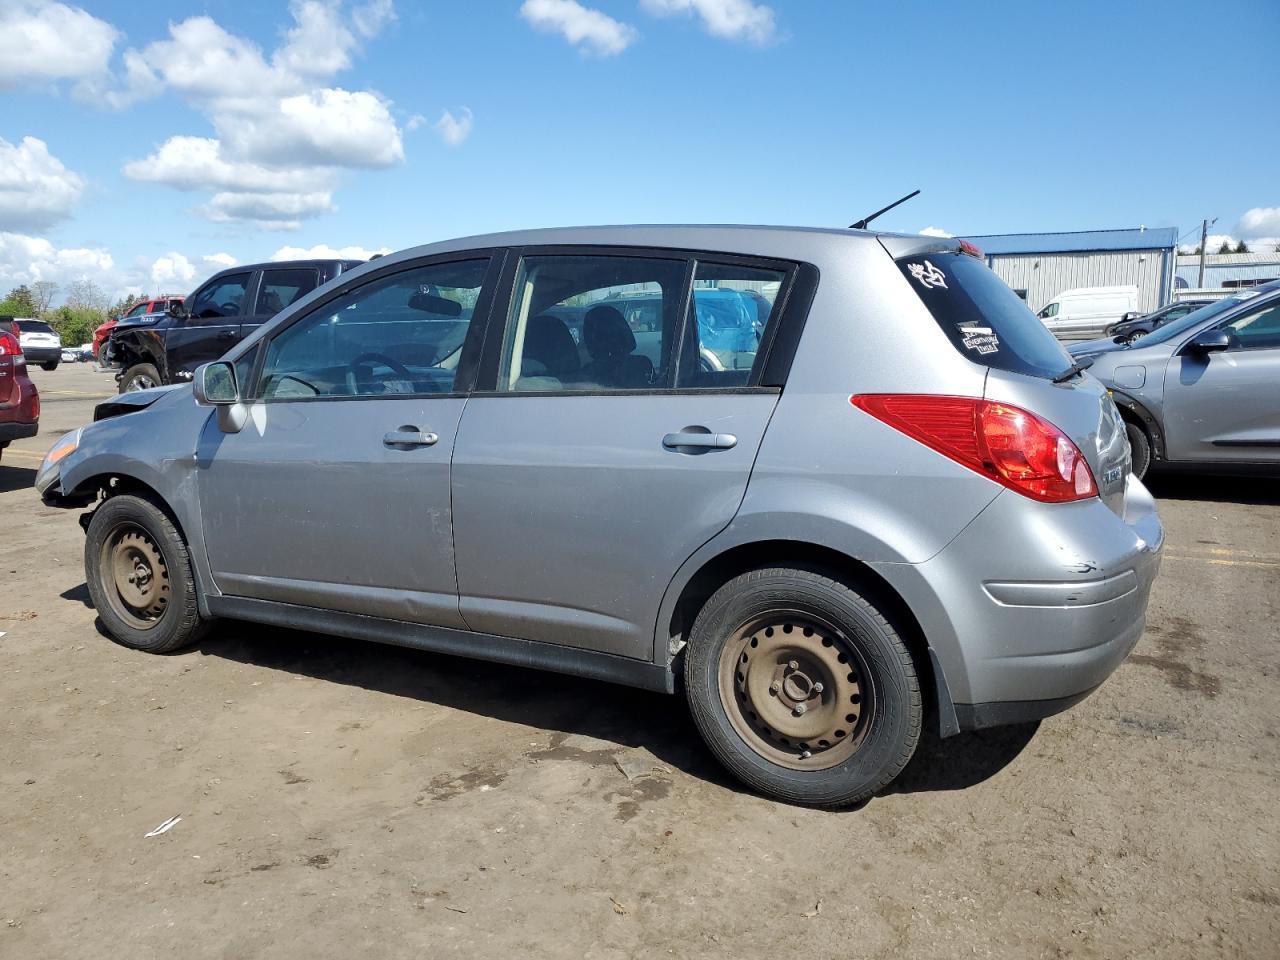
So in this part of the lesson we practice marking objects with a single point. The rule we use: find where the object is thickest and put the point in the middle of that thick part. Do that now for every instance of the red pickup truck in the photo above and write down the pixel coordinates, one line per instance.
(19, 401)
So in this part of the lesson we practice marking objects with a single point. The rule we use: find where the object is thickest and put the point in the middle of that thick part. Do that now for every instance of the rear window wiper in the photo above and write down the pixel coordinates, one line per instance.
(1072, 370)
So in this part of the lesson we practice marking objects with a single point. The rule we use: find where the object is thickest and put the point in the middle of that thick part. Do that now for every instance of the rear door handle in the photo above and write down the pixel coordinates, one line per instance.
(409, 438)
(703, 441)
(228, 334)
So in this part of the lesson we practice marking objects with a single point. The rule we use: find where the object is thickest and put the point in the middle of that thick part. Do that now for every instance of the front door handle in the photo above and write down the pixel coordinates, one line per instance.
(702, 441)
(409, 437)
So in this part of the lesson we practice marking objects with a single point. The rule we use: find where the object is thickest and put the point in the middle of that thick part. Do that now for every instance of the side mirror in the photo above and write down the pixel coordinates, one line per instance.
(1210, 341)
(214, 385)
(177, 311)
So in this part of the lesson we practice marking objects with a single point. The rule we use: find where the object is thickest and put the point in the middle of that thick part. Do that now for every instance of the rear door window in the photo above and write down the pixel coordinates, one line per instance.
(984, 320)
(279, 288)
(732, 305)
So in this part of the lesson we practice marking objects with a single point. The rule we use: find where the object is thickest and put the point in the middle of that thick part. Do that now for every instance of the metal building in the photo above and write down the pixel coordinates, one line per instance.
(1039, 266)
(1230, 269)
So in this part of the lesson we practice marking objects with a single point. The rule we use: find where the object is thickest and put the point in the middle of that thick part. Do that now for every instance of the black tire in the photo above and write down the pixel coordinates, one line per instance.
(176, 620)
(888, 729)
(140, 376)
(1140, 443)
(51, 365)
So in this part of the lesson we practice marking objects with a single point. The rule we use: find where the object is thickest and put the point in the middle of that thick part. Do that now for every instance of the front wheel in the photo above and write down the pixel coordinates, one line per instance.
(139, 576)
(802, 687)
(1140, 444)
(141, 376)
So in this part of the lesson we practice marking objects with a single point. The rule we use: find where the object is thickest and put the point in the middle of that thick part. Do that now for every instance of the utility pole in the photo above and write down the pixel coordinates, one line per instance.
(1204, 238)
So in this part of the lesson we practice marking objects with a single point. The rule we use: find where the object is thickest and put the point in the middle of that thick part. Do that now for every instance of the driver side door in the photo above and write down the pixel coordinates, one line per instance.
(1225, 407)
(335, 494)
(211, 326)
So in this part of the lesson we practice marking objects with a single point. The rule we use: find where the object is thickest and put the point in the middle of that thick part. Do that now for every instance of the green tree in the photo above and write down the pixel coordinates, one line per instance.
(75, 325)
(20, 302)
(1241, 247)
(1225, 248)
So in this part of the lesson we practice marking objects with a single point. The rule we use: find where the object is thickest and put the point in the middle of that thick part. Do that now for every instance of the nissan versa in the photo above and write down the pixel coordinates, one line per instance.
(895, 500)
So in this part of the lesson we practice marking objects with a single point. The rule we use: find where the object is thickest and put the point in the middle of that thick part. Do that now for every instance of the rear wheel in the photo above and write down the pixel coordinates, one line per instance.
(139, 576)
(141, 376)
(802, 687)
(50, 365)
(1140, 444)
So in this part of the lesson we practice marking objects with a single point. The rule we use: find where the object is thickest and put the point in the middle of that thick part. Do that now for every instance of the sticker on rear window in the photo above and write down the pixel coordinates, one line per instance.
(928, 275)
(982, 342)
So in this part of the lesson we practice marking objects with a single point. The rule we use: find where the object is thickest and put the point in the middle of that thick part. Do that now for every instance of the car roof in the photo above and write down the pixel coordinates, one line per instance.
(752, 240)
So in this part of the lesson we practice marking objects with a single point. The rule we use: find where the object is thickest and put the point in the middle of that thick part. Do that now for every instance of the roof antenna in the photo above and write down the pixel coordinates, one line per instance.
(862, 224)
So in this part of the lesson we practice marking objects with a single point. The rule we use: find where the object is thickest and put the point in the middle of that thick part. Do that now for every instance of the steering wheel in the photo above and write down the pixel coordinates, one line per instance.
(353, 375)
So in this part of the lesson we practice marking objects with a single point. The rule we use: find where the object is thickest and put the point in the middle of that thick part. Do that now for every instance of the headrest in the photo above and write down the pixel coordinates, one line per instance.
(606, 335)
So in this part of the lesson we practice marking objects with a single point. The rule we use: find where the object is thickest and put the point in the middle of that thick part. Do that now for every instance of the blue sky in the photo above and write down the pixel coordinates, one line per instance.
(1010, 117)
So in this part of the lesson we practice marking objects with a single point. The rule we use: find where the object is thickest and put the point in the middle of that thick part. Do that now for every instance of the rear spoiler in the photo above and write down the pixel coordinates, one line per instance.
(899, 245)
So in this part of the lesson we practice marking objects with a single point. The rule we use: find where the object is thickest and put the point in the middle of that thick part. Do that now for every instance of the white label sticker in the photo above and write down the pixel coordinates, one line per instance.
(928, 274)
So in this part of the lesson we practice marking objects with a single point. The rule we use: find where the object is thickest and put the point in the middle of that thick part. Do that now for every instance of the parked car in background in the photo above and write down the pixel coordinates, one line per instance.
(228, 307)
(144, 311)
(1085, 312)
(40, 343)
(814, 543)
(1136, 326)
(1202, 390)
(19, 399)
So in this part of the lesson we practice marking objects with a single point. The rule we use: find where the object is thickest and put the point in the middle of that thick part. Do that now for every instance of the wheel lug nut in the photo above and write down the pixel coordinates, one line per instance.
(805, 754)
(801, 709)
(793, 665)
(817, 687)
(775, 686)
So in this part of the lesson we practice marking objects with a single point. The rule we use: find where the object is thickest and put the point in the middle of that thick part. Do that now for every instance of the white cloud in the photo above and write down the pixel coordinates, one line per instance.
(284, 137)
(36, 190)
(1260, 228)
(26, 259)
(584, 27)
(322, 251)
(41, 42)
(176, 273)
(453, 130)
(730, 19)
(935, 232)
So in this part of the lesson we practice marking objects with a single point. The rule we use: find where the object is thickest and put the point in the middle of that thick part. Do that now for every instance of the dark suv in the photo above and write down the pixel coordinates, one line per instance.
(165, 348)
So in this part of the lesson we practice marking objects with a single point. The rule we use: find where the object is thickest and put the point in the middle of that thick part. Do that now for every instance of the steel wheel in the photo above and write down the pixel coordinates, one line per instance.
(796, 691)
(135, 575)
(140, 382)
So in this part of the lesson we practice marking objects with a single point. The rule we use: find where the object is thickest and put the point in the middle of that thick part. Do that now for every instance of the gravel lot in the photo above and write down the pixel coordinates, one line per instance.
(340, 799)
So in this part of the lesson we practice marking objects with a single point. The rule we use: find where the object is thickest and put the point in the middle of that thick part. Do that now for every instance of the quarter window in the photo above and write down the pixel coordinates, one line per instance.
(400, 335)
(593, 324)
(732, 306)
(222, 298)
(281, 287)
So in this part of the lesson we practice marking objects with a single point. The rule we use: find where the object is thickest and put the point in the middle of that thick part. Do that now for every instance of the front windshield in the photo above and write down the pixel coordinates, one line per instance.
(1175, 328)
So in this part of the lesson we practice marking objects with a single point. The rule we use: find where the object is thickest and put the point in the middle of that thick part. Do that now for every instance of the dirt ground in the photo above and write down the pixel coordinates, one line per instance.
(341, 799)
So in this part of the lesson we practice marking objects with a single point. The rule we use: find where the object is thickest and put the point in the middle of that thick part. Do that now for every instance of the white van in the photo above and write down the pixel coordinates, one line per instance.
(1083, 313)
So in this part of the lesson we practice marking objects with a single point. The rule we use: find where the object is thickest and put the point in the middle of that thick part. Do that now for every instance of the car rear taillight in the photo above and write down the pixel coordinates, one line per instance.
(9, 345)
(1006, 443)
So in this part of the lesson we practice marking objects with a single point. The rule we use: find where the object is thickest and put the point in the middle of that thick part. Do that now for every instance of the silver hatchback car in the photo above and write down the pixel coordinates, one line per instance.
(834, 484)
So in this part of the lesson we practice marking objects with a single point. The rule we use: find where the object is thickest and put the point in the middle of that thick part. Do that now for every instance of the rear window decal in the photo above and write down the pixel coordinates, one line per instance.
(928, 275)
(982, 342)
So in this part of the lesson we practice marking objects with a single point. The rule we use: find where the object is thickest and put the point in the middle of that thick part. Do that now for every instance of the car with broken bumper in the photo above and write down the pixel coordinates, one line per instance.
(899, 505)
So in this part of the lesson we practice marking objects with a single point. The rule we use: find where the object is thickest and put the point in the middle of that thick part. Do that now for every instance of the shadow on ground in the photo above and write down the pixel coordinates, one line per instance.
(16, 478)
(1240, 488)
(564, 704)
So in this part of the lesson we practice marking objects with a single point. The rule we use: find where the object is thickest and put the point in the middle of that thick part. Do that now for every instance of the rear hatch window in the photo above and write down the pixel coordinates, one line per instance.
(981, 316)
(34, 326)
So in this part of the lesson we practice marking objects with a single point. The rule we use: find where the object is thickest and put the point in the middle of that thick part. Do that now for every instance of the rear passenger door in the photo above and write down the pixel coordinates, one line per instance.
(586, 472)
(278, 288)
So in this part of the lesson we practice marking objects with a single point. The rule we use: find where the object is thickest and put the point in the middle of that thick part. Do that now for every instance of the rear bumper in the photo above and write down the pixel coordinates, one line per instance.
(17, 431)
(42, 354)
(1033, 606)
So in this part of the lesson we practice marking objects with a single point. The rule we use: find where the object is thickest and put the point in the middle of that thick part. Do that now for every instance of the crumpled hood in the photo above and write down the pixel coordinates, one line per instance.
(135, 400)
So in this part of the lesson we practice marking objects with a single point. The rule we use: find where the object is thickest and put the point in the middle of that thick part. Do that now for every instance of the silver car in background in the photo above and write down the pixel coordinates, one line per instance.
(892, 499)
(1203, 390)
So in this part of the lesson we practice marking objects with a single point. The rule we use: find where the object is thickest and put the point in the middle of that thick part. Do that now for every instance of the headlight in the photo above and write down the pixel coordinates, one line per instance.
(68, 445)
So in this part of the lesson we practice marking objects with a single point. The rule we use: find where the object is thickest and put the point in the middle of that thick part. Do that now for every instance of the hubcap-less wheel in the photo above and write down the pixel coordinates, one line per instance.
(137, 575)
(796, 691)
(140, 382)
